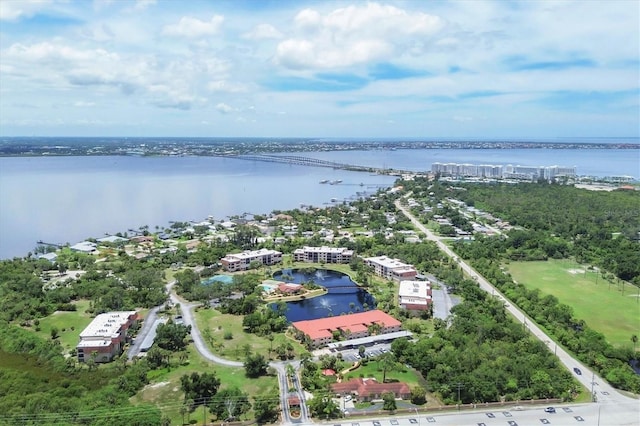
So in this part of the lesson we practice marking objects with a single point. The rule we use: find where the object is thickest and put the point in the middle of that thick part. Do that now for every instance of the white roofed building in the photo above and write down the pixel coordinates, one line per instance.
(106, 336)
(391, 269)
(242, 261)
(414, 295)
(323, 254)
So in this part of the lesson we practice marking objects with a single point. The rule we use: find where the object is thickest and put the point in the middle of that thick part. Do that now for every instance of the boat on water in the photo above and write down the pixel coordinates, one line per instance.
(324, 181)
(335, 182)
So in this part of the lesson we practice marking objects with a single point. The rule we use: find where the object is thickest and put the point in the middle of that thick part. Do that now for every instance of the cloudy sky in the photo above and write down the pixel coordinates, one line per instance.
(320, 68)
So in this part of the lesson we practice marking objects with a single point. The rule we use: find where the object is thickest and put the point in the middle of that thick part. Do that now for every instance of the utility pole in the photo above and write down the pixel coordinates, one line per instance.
(460, 386)
(204, 414)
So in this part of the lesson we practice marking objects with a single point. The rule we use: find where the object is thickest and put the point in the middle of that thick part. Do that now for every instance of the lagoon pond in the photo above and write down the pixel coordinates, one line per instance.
(343, 297)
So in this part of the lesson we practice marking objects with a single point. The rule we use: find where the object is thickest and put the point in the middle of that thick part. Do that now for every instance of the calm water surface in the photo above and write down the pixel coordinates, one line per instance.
(68, 199)
(343, 296)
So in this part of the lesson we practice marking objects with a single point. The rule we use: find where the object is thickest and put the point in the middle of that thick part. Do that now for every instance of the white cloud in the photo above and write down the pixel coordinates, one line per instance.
(413, 62)
(263, 32)
(83, 104)
(13, 10)
(224, 108)
(225, 86)
(353, 35)
(143, 4)
(194, 28)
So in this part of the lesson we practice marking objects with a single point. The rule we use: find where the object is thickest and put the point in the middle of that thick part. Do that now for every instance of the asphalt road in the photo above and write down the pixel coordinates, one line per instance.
(605, 394)
(198, 342)
(186, 309)
(147, 325)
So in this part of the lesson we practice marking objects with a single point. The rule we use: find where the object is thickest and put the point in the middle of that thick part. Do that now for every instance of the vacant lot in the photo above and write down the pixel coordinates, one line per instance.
(69, 324)
(608, 307)
(165, 391)
(215, 327)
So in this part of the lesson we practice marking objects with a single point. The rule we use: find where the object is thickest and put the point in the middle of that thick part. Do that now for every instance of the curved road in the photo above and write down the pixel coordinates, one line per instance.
(187, 316)
(604, 393)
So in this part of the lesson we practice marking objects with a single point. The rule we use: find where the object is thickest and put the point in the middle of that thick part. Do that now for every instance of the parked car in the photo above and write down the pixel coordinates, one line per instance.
(577, 370)
(549, 410)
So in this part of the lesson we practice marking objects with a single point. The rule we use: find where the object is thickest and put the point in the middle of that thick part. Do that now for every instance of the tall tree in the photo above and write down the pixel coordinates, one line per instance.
(199, 388)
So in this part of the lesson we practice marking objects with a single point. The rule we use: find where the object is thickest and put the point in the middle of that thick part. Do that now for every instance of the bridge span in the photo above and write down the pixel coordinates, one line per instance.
(314, 162)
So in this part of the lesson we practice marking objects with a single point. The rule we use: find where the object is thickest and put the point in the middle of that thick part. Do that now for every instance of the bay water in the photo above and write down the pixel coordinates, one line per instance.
(68, 199)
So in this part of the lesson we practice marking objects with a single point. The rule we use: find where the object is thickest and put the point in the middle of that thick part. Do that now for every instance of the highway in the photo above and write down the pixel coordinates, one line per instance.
(605, 395)
(611, 408)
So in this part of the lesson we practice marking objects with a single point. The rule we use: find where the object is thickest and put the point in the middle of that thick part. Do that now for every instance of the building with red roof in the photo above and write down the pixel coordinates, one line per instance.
(352, 326)
(369, 389)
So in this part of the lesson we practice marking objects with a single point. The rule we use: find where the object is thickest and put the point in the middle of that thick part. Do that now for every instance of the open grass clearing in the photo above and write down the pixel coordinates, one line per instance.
(68, 323)
(600, 303)
(373, 368)
(214, 325)
(165, 393)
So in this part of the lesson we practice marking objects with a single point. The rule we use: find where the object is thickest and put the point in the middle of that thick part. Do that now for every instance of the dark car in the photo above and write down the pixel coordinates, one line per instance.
(549, 410)
(577, 370)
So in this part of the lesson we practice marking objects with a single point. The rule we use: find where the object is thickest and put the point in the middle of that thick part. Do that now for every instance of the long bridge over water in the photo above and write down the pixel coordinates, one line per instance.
(314, 162)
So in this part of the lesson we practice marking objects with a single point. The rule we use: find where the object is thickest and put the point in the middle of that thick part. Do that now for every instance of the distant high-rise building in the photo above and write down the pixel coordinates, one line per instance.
(497, 171)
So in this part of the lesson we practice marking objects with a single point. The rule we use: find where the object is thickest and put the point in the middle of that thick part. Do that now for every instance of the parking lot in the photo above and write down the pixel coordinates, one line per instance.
(353, 355)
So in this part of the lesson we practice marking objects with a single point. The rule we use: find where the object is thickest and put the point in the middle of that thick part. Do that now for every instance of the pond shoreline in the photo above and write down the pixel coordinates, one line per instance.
(297, 297)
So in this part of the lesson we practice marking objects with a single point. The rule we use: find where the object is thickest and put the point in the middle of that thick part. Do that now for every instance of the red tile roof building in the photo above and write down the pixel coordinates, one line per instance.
(351, 326)
(369, 389)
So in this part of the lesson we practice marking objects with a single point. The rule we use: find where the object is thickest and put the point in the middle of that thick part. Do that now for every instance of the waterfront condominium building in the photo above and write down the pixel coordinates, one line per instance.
(497, 171)
(414, 295)
(353, 326)
(323, 255)
(105, 336)
(242, 261)
(391, 269)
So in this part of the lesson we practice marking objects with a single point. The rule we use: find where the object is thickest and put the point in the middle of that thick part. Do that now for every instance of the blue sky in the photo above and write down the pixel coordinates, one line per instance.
(474, 68)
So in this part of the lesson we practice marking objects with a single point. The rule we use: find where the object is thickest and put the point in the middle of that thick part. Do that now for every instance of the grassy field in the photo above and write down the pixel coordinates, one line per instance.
(69, 325)
(164, 390)
(601, 304)
(218, 324)
(373, 369)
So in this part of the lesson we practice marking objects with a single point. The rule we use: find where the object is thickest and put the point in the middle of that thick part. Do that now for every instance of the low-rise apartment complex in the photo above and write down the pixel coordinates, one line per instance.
(353, 326)
(391, 269)
(105, 336)
(242, 261)
(323, 255)
(414, 295)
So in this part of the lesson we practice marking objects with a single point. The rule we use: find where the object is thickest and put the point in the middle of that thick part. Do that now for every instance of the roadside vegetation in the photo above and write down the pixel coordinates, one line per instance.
(478, 354)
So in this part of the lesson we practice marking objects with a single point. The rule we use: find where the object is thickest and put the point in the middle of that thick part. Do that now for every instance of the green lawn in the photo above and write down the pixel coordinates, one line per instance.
(601, 304)
(164, 390)
(69, 324)
(218, 324)
(373, 369)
